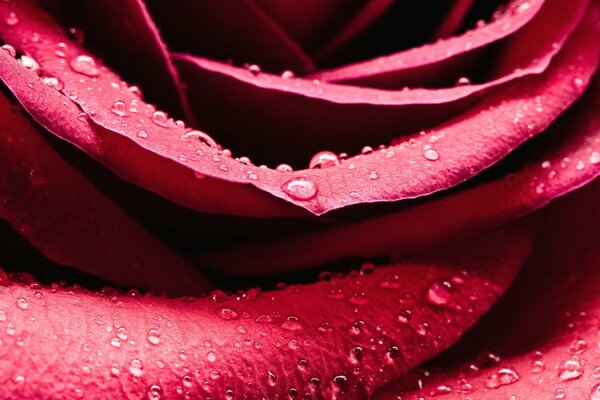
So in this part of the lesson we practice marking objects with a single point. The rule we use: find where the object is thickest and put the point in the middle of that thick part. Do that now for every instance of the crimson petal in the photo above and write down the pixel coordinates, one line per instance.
(105, 347)
(55, 208)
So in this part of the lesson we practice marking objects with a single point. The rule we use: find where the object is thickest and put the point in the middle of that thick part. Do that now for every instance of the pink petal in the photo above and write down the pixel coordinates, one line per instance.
(338, 336)
(454, 18)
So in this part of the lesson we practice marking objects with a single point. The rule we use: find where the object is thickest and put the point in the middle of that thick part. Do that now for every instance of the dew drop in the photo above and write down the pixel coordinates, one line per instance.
(578, 347)
(340, 382)
(595, 392)
(324, 159)
(287, 74)
(570, 369)
(356, 355)
(404, 316)
(284, 168)
(22, 304)
(135, 367)
(115, 342)
(229, 394)
(253, 69)
(187, 381)
(211, 356)
(440, 390)
(142, 134)
(154, 392)
(431, 155)
(503, 377)
(580, 165)
(11, 19)
(201, 136)
(119, 108)
(264, 319)
(559, 393)
(373, 175)
(463, 81)
(214, 375)
(53, 82)
(291, 323)
(153, 336)
(578, 82)
(594, 157)
(228, 314)
(438, 294)
(9, 49)
(537, 366)
(29, 63)
(272, 379)
(300, 189)
(160, 118)
(84, 65)
(366, 150)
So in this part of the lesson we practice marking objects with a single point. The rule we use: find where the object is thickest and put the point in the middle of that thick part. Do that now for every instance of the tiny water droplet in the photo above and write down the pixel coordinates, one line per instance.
(119, 108)
(438, 294)
(300, 188)
(503, 377)
(114, 370)
(366, 150)
(580, 165)
(211, 356)
(284, 168)
(559, 393)
(85, 65)
(29, 63)
(578, 347)
(153, 336)
(287, 74)
(272, 379)
(537, 366)
(154, 392)
(11, 19)
(214, 375)
(142, 134)
(291, 323)
(578, 82)
(135, 367)
(122, 333)
(9, 49)
(431, 155)
(373, 175)
(324, 159)
(463, 81)
(595, 392)
(404, 316)
(254, 69)
(228, 314)
(201, 136)
(115, 342)
(22, 304)
(160, 118)
(53, 82)
(264, 319)
(594, 157)
(440, 390)
(570, 369)
(356, 355)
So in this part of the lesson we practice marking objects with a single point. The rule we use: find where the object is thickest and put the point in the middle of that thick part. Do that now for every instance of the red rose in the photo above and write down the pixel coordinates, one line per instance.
(472, 122)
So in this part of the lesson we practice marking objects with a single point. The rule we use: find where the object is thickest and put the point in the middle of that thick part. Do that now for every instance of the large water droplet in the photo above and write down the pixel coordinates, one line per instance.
(431, 155)
(153, 336)
(160, 118)
(29, 63)
(570, 369)
(9, 49)
(300, 189)
(154, 392)
(22, 304)
(119, 108)
(439, 293)
(84, 65)
(228, 314)
(201, 136)
(324, 159)
(503, 377)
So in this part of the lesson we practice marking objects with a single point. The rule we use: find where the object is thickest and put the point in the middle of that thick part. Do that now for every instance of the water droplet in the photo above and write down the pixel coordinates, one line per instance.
(438, 294)
(291, 323)
(187, 381)
(214, 375)
(211, 356)
(9, 49)
(22, 304)
(229, 394)
(84, 65)
(114, 370)
(53, 82)
(228, 314)
(356, 355)
(324, 159)
(284, 168)
(422, 329)
(559, 393)
(154, 392)
(340, 382)
(404, 316)
(264, 319)
(119, 108)
(29, 63)
(253, 69)
(11, 19)
(201, 136)
(272, 379)
(570, 369)
(300, 189)
(580, 165)
(595, 392)
(463, 81)
(594, 157)
(373, 175)
(503, 377)
(366, 150)
(578, 347)
(135, 90)
(122, 333)
(537, 366)
(115, 342)
(440, 390)
(546, 164)
(578, 82)
(431, 155)
(160, 118)
(153, 336)
(302, 365)
(142, 134)
(135, 367)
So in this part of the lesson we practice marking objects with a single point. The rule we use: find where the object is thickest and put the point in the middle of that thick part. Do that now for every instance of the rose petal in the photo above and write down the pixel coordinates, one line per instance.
(551, 313)
(303, 339)
(58, 211)
(564, 158)
(498, 124)
(454, 18)
(437, 61)
(125, 34)
(212, 29)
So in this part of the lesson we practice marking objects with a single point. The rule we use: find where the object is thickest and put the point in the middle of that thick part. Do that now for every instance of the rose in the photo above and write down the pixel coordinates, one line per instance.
(346, 336)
